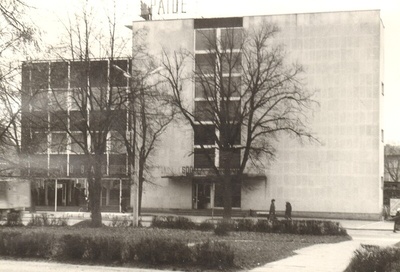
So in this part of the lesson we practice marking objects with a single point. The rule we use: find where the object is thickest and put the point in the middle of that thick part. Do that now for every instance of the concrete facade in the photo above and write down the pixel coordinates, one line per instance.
(339, 176)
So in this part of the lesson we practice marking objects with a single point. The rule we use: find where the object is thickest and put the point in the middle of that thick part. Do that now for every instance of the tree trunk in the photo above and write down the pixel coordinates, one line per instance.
(227, 197)
(140, 188)
(95, 193)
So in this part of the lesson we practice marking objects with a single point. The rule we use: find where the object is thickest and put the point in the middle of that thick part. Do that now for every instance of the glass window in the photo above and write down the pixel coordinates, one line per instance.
(98, 73)
(58, 121)
(236, 195)
(38, 120)
(204, 87)
(205, 39)
(202, 158)
(78, 74)
(230, 109)
(204, 135)
(229, 159)
(118, 165)
(231, 38)
(203, 111)
(117, 77)
(59, 143)
(205, 63)
(117, 143)
(58, 100)
(77, 143)
(39, 100)
(77, 99)
(59, 75)
(40, 76)
(231, 86)
(119, 122)
(230, 133)
(99, 121)
(98, 98)
(39, 142)
(231, 63)
(118, 97)
(77, 121)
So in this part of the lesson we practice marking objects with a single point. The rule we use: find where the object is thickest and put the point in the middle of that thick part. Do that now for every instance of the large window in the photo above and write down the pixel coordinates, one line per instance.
(203, 111)
(205, 39)
(205, 63)
(231, 38)
(39, 100)
(202, 158)
(39, 142)
(59, 75)
(204, 135)
(229, 159)
(59, 143)
(40, 76)
(58, 100)
(230, 86)
(204, 87)
(98, 73)
(77, 143)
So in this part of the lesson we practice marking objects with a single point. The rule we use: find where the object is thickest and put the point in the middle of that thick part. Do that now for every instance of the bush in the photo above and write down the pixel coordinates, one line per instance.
(245, 225)
(373, 258)
(173, 222)
(224, 227)
(163, 251)
(116, 222)
(206, 225)
(14, 219)
(44, 220)
(214, 255)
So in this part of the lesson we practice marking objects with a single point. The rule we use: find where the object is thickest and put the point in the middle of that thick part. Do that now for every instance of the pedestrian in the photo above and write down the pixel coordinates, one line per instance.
(288, 211)
(396, 219)
(272, 215)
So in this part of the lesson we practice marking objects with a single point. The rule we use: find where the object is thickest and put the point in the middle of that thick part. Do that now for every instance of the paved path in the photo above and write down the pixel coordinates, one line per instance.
(336, 257)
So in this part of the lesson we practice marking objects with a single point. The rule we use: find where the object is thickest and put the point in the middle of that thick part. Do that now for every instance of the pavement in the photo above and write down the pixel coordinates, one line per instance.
(316, 258)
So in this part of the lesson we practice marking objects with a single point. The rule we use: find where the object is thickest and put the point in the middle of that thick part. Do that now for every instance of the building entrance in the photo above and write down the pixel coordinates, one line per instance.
(201, 195)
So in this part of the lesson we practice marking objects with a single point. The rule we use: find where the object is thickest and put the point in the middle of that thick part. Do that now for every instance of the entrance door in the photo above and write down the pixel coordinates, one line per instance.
(202, 195)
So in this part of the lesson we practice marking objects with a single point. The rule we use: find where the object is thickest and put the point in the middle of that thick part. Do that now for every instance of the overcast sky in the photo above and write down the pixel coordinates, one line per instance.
(49, 13)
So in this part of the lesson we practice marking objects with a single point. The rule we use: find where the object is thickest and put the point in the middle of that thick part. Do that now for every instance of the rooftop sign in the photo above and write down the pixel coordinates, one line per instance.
(165, 9)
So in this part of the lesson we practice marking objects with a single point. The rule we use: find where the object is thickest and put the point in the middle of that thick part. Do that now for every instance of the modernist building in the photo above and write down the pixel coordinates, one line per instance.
(64, 105)
(342, 175)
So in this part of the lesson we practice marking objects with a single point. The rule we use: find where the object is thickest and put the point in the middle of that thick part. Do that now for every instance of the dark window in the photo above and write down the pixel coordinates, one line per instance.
(204, 111)
(230, 110)
(77, 143)
(204, 87)
(117, 77)
(77, 97)
(40, 76)
(118, 97)
(99, 121)
(204, 135)
(119, 122)
(58, 99)
(202, 158)
(58, 121)
(38, 120)
(218, 22)
(39, 142)
(79, 72)
(231, 86)
(117, 143)
(25, 76)
(98, 73)
(59, 75)
(231, 63)
(230, 133)
(231, 38)
(205, 39)
(117, 164)
(98, 98)
(236, 195)
(39, 100)
(229, 159)
(205, 63)
(59, 142)
(77, 121)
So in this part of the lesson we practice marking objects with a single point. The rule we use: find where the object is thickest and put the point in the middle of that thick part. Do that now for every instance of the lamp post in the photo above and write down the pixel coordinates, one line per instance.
(132, 140)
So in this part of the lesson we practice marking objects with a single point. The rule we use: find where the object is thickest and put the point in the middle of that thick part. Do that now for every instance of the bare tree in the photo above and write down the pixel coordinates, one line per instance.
(392, 162)
(248, 97)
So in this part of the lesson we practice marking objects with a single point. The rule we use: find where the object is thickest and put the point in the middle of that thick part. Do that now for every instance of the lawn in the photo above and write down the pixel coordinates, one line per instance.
(251, 249)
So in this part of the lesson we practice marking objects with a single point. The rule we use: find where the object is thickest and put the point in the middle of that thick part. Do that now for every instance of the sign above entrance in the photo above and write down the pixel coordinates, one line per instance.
(203, 172)
(166, 9)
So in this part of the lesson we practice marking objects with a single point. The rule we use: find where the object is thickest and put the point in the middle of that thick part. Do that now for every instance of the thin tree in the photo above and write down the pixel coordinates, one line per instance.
(392, 162)
(249, 97)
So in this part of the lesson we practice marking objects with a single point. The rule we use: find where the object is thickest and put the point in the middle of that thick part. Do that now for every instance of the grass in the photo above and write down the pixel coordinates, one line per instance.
(251, 249)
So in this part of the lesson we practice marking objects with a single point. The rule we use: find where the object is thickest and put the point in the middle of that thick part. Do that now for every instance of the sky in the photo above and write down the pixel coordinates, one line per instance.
(48, 14)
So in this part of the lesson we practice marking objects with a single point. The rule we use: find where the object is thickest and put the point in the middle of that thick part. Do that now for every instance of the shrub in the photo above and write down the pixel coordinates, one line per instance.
(373, 258)
(263, 225)
(172, 222)
(14, 219)
(72, 247)
(163, 251)
(44, 220)
(245, 225)
(224, 227)
(214, 255)
(116, 222)
(206, 225)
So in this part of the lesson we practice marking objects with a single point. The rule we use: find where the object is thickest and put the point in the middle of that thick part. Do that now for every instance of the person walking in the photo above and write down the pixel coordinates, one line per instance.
(396, 220)
(272, 215)
(288, 211)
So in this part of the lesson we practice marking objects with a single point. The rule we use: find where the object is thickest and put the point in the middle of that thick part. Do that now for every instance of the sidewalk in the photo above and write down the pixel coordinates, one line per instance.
(336, 257)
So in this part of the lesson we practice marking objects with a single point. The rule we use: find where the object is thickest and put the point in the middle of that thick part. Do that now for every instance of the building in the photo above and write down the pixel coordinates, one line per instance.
(342, 176)
(65, 106)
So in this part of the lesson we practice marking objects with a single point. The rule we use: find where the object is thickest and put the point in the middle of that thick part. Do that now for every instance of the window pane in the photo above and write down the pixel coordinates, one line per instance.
(204, 135)
(230, 159)
(77, 99)
(231, 63)
(77, 121)
(39, 142)
(98, 98)
(38, 120)
(59, 143)
(119, 122)
(231, 133)
(58, 121)
(204, 87)
(59, 75)
(58, 99)
(201, 158)
(205, 39)
(203, 111)
(231, 38)
(98, 73)
(205, 63)
(117, 143)
(40, 76)
(117, 165)
(117, 77)
(230, 87)
(39, 100)
(78, 74)
(77, 142)
(230, 109)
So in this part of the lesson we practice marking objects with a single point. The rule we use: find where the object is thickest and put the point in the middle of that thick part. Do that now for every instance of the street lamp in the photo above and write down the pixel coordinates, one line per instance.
(132, 141)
